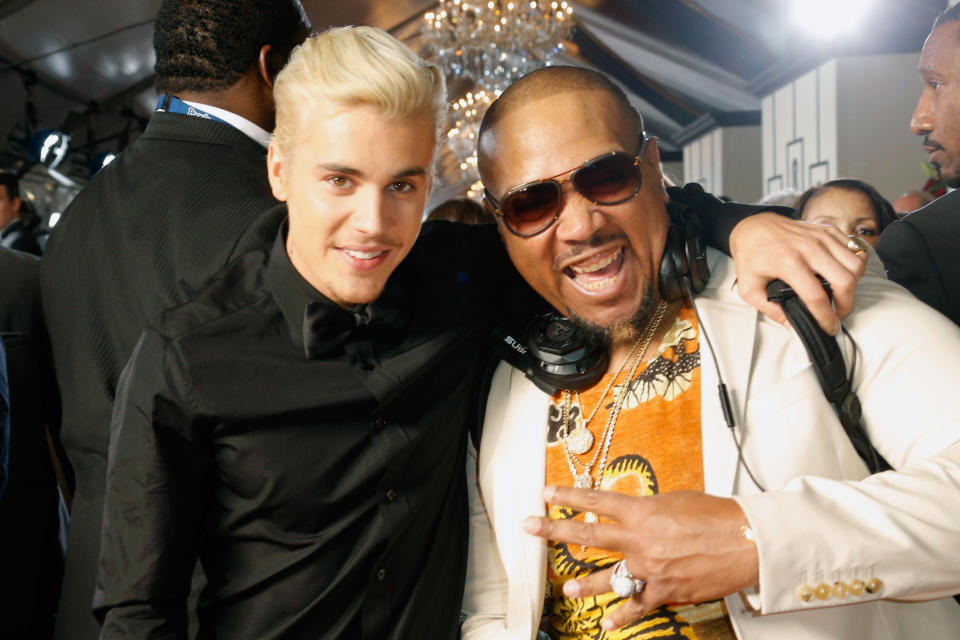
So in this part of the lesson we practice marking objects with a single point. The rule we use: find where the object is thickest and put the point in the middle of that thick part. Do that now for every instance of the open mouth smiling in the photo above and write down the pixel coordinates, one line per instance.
(597, 271)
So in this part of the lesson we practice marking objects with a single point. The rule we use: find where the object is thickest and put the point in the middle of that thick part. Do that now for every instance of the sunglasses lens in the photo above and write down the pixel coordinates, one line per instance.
(531, 209)
(609, 180)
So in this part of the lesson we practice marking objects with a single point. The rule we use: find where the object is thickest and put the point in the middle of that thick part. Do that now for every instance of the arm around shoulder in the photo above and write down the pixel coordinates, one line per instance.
(910, 263)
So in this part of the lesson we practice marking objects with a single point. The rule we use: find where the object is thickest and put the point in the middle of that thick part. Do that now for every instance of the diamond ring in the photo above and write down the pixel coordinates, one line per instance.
(625, 584)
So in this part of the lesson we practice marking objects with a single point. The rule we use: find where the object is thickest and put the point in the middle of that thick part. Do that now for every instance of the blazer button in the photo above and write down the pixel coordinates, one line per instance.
(874, 585)
(822, 591)
(381, 575)
(805, 592)
(840, 589)
(856, 587)
(366, 365)
(392, 494)
(380, 423)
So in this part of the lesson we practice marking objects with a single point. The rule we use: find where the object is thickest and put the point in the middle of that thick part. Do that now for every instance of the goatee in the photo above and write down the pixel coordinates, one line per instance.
(624, 331)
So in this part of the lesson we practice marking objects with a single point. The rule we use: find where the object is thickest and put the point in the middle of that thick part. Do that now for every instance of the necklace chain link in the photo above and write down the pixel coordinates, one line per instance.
(584, 479)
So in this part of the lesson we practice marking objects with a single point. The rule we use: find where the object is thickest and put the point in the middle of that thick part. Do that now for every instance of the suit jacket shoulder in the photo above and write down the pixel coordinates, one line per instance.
(919, 252)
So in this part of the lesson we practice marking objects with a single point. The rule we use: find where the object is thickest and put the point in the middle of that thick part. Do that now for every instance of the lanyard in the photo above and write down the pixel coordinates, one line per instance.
(172, 104)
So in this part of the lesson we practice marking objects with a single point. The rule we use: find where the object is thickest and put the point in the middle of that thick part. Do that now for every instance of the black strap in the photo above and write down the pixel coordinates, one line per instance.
(831, 371)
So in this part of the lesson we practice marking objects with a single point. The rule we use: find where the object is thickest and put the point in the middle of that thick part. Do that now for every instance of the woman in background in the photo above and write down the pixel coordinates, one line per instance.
(852, 206)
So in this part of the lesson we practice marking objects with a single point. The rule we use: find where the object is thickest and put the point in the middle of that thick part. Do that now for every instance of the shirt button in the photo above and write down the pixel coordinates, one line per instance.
(822, 591)
(366, 365)
(381, 574)
(856, 587)
(805, 592)
(874, 585)
(392, 494)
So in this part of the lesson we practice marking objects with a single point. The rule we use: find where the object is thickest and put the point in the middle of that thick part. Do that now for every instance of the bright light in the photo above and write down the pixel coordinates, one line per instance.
(828, 18)
(54, 149)
(107, 159)
(54, 219)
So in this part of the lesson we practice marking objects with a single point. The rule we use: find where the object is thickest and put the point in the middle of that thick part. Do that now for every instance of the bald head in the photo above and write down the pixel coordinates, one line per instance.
(548, 82)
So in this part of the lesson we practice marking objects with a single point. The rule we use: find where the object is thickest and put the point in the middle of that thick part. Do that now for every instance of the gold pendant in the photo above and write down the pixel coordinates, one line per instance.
(579, 441)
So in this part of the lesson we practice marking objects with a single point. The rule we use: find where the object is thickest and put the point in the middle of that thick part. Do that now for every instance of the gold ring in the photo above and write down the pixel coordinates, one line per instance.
(857, 245)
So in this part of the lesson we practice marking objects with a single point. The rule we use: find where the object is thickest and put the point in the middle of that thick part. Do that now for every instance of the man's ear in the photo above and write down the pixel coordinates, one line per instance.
(269, 63)
(275, 171)
(651, 158)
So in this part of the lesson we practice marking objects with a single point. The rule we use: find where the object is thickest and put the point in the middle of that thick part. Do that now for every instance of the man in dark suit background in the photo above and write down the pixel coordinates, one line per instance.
(31, 554)
(188, 196)
(920, 251)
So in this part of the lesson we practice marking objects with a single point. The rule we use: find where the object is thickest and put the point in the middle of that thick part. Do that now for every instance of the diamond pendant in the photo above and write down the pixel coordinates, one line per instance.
(582, 481)
(579, 441)
(590, 518)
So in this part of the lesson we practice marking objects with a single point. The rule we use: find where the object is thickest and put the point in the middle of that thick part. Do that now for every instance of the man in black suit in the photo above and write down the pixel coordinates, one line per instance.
(30, 550)
(920, 251)
(176, 206)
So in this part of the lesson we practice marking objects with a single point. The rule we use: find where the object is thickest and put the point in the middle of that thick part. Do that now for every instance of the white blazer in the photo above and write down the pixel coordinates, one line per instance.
(820, 521)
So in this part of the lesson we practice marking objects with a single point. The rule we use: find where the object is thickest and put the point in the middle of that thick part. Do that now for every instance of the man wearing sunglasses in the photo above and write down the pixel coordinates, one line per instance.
(666, 507)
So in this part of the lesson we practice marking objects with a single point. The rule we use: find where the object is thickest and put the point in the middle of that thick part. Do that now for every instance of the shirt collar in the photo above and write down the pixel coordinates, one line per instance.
(320, 326)
(254, 132)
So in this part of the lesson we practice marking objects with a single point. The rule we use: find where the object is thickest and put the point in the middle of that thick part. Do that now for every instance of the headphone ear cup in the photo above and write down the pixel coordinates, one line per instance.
(673, 265)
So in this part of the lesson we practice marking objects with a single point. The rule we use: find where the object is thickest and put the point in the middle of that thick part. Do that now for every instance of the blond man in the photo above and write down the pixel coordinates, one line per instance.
(298, 425)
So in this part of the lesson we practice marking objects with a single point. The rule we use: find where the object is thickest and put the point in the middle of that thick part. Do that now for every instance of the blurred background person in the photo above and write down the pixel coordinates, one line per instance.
(852, 206)
(785, 198)
(31, 551)
(911, 201)
(20, 227)
(465, 210)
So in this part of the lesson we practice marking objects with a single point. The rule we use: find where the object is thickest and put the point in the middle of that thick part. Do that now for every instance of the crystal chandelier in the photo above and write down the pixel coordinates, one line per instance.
(489, 45)
(495, 42)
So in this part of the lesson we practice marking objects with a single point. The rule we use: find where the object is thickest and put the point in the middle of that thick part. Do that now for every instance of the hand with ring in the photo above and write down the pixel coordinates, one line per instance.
(623, 583)
(767, 246)
(682, 547)
(857, 245)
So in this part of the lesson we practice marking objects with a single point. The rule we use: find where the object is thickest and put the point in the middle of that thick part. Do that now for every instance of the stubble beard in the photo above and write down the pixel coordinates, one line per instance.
(951, 180)
(624, 331)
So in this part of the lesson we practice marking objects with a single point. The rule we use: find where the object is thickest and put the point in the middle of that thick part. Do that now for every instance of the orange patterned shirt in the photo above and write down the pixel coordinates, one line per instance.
(656, 447)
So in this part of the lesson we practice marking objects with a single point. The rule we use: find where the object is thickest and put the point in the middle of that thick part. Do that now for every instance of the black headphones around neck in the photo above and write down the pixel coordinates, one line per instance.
(555, 354)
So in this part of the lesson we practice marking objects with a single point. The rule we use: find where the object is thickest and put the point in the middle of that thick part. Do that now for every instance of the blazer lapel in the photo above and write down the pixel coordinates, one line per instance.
(515, 472)
(732, 327)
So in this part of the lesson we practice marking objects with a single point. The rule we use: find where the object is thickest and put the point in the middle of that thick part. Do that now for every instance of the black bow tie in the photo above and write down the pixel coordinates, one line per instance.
(326, 326)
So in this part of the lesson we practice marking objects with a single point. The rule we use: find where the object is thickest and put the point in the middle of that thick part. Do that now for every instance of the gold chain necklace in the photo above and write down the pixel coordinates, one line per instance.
(580, 440)
(584, 479)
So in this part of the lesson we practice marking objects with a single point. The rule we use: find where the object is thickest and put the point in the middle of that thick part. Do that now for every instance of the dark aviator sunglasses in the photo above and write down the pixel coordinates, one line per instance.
(532, 208)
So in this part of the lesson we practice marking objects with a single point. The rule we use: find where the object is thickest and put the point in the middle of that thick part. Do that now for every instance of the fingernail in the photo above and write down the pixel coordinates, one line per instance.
(608, 624)
(571, 589)
(548, 492)
(531, 525)
(836, 328)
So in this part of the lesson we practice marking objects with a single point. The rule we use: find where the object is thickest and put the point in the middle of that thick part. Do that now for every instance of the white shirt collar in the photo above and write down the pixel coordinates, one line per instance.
(252, 131)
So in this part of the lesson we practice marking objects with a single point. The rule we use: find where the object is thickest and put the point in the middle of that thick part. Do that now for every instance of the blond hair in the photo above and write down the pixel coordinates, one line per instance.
(350, 67)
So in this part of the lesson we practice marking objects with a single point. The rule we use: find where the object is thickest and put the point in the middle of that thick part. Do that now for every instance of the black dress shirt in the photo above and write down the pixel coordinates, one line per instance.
(311, 457)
